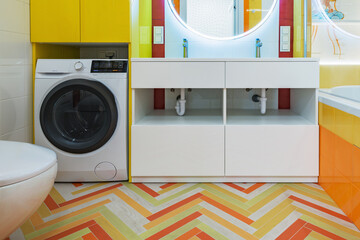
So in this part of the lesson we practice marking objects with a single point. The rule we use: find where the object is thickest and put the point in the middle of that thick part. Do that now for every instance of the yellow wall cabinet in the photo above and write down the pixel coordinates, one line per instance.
(105, 21)
(55, 21)
(80, 21)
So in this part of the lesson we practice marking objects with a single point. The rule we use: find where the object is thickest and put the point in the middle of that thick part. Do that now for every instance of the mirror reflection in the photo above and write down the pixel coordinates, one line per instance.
(343, 13)
(222, 18)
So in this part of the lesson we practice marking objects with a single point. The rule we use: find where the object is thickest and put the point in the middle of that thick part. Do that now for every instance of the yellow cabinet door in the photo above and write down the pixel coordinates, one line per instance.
(105, 21)
(55, 21)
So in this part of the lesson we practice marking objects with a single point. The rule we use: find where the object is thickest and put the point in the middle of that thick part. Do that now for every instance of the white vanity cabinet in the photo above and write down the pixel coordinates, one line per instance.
(228, 139)
(272, 150)
(178, 151)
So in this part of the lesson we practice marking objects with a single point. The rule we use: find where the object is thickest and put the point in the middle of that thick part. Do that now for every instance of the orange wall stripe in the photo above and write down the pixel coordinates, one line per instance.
(246, 15)
(177, 5)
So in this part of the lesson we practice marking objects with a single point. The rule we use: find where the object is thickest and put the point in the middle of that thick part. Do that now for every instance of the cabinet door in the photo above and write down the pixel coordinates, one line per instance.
(105, 21)
(160, 151)
(55, 21)
(272, 150)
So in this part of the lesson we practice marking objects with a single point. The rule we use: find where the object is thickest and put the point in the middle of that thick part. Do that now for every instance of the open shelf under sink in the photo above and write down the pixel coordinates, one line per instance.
(191, 117)
(272, 117)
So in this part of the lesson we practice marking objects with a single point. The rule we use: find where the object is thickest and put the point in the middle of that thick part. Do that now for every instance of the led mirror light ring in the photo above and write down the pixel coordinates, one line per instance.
(253, 29)
(331, 22)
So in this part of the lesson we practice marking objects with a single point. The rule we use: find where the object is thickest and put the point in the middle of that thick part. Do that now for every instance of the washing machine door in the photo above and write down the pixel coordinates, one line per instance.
(79, 116)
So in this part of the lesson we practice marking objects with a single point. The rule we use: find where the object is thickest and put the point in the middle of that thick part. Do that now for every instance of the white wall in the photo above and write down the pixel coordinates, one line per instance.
(333, 45)
(15, 71)
(211, 17)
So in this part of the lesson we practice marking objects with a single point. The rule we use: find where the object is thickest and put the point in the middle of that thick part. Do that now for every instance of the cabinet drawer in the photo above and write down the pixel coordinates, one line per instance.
(272, 74)
(177, 151)
(272, 150)
(178, 74)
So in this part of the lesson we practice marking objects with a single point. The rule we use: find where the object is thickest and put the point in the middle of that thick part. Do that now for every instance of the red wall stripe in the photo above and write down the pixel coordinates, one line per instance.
(284, 98)
(286, 19)
(158, 50)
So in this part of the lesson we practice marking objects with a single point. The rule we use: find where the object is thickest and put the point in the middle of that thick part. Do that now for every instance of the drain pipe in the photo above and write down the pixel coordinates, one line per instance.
(180, 103)
(263, 100)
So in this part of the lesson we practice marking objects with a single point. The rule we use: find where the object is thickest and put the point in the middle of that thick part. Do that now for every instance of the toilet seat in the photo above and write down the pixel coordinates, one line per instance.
(20, 162)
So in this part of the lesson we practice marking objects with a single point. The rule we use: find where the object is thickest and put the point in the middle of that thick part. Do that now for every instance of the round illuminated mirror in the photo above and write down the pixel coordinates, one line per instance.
(344, 14)
(222, 18)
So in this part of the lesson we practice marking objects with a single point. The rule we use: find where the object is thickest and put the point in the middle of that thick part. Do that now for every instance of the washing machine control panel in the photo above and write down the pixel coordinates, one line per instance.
(107, 66)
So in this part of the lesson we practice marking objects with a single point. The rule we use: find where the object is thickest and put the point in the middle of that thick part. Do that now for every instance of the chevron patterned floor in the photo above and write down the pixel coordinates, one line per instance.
(187, 211)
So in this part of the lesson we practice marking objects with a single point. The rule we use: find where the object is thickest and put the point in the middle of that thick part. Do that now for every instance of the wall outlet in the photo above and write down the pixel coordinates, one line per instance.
(158, 35)
(285, 38)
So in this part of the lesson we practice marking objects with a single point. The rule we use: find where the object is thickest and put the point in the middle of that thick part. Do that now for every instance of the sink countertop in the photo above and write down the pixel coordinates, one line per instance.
(225, 60)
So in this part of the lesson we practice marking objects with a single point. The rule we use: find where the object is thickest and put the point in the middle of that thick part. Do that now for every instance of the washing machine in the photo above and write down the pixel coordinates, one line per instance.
(80, 112)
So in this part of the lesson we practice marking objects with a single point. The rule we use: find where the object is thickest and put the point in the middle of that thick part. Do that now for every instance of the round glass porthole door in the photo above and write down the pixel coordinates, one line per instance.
(79, 116)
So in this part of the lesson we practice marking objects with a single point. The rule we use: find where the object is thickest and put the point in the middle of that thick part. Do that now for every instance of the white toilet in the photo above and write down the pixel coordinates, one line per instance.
(27, 174)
